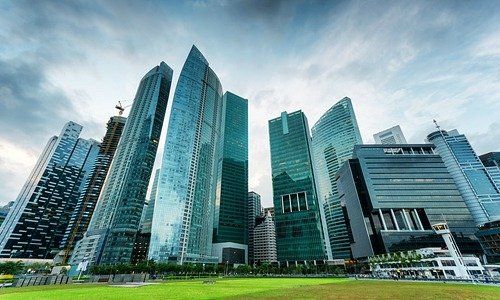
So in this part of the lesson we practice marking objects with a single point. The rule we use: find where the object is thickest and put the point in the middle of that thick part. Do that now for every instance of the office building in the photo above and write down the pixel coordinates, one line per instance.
(80, 218)
(299, 228)
(394, 193)
(182, 224)
(489, 238)
(230, 213)
(270, 210)
(265, 239)
(489, 233)
(141, 244)
(254, 210)
(333, 140)
(491, 162)
(112, 231)
(35, 225)
(393, 135)
(474, 181)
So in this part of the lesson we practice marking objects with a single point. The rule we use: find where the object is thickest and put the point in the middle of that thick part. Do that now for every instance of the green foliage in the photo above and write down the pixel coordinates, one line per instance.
(190, 269)
(11, 267)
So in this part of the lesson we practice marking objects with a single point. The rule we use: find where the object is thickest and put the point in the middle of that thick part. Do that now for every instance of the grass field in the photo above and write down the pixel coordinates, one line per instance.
(275, 288)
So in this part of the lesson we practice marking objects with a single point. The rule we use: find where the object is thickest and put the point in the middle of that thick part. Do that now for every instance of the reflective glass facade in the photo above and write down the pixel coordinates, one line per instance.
(475, 183)
(87, 200)
(35, 225)
(114, 225)
(148, 215)
(333, 140)
(299, 229)
(491, 162)
(232, 178)
(183, 214)
(394, 193)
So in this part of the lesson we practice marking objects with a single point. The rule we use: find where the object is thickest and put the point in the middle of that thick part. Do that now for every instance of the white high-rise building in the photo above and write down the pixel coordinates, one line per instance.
(265, 239)
(393, 135)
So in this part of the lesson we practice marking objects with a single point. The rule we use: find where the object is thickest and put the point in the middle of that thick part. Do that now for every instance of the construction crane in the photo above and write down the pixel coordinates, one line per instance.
(121, 108)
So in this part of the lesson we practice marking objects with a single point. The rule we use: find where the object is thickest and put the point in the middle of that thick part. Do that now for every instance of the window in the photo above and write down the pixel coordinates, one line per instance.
(448, 263)
(294, 202)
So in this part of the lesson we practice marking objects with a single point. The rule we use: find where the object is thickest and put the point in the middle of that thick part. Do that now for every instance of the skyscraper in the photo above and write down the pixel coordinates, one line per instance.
(299, 228)
(148, 216)
(265, 239)
(254, 209)
(141, 244)
(393, 194)
(489, 233)
(183, 214)
(230, 234)
(393, 135)
(80, 218)
(35, 225)
(333, 140)
(473, 180)
(114, 225)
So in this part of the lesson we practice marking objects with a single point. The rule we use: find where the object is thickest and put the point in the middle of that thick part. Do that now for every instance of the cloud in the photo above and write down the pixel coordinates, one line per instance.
(489, 45)
(401, 63)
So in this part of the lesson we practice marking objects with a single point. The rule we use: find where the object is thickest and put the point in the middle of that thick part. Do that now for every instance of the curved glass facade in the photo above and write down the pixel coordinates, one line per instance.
(475, 183)
(183, 214)
(114, 224)
(333, 139)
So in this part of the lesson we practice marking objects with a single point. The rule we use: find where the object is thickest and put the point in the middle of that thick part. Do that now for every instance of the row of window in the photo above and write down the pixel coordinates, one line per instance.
(294, 202)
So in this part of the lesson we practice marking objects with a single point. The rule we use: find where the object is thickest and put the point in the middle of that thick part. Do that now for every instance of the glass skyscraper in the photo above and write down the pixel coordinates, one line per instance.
(393, 194)
(333, 140)
(230, 242)
(474, 181)
(299, 228)
(183, 215)
(148, 215)
(254, 209)
(35, 225)
(491, 162)
(114, 225)
(87, 200)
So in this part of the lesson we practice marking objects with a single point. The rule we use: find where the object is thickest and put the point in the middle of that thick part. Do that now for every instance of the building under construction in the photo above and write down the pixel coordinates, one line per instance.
(80, 218)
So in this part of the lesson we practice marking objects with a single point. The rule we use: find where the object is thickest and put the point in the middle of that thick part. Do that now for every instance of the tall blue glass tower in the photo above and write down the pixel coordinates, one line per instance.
(36, 223)
(114, 225)
(299, 228)
(333, 139)
(474, 181)
(182, 224)
(230, 237)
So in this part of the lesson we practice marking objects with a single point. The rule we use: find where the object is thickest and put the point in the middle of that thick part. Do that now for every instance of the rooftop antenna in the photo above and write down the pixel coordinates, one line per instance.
(436, 123)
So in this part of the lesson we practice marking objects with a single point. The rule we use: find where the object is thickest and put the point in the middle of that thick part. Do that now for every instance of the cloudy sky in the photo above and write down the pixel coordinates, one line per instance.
(401, 62)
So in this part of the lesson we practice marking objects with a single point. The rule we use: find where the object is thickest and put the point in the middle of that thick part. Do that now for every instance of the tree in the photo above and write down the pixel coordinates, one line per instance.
(243, 269)
(11, 268)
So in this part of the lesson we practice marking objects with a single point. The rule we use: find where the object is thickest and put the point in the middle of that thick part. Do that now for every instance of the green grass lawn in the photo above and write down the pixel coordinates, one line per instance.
(249, 288)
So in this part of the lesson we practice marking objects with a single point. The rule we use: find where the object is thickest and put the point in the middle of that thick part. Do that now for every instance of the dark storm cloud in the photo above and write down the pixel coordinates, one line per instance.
(37, 36)
(265, 9)
(29, 105)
